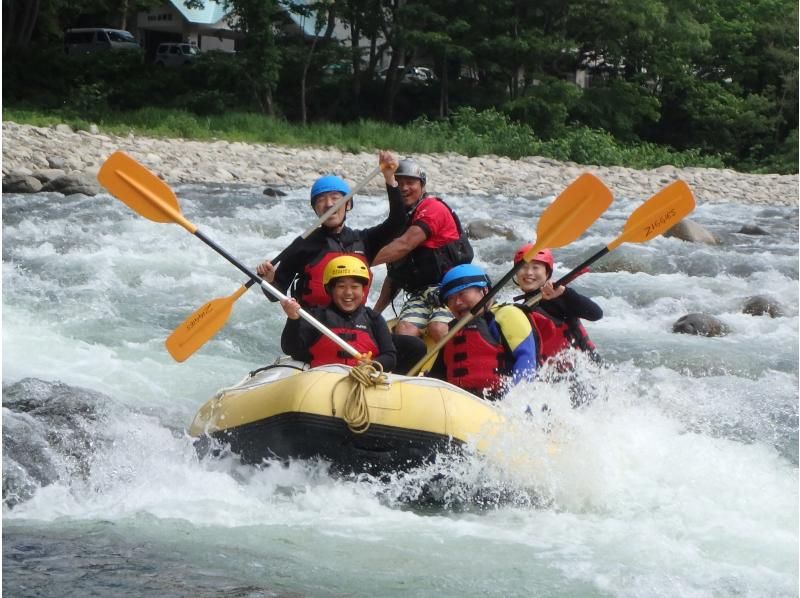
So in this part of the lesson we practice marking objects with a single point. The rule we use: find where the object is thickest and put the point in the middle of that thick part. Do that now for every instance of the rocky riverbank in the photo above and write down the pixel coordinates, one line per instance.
(43, 155)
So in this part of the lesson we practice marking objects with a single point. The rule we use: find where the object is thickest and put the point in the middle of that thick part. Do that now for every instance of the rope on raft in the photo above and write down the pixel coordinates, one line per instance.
(356, 410)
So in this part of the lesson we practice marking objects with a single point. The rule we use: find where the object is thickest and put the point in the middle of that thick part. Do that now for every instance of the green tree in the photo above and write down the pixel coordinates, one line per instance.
(259, 53)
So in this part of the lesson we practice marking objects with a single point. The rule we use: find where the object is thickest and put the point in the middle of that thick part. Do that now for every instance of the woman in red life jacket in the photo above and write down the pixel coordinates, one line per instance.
(345, 279)
(496, 348)
(557, 317)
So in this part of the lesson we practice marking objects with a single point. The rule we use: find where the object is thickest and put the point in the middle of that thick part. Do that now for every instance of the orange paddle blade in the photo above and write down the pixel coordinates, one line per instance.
(204, 323)
(571, 213)
(657, 215)
(141, 190)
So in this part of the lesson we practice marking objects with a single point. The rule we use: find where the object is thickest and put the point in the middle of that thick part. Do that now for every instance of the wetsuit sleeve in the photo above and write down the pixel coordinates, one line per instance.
(388, 352)
(394, 225)
(516, 329)
(289, 267)
(580, 306)
(297, 337)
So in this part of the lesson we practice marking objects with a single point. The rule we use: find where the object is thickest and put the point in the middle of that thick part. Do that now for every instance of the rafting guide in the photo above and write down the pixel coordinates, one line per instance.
(432, 243)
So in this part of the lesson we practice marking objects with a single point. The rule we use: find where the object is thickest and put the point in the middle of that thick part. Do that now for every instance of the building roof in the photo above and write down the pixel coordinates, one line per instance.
(212, 12)
(306, 23)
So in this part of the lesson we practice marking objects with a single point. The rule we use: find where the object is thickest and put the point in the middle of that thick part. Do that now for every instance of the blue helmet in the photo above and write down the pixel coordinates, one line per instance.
(462, 277)
(329, 182)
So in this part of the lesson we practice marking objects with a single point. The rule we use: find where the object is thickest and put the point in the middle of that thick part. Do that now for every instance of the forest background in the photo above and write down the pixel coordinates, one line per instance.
(682, 82)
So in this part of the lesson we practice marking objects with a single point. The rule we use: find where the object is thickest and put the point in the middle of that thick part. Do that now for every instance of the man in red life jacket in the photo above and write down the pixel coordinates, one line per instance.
(345, 280)
(496, 348)
(432, 243)
(304, 261)
(556, 318)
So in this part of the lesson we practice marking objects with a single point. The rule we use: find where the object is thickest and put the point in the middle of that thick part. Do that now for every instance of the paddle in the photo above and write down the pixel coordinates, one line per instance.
(206, 321)
(563, 221)
(149, 196)
(659, 213)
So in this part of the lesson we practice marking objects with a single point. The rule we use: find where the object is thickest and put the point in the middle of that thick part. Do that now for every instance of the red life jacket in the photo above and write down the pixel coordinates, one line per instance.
(356, 331)
(474, 360)
(555, 335)
(310, 291)
(425, 266)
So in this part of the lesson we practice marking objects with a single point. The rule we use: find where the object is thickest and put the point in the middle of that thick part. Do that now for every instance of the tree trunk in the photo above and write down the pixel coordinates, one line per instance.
(392, 84)
(22, 24)
(123, 24)
(355, 57)
(306, 65)
(444, 100)
(9, 14)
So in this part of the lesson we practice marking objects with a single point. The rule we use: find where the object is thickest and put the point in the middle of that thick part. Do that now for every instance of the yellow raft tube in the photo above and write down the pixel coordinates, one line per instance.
(287, 411)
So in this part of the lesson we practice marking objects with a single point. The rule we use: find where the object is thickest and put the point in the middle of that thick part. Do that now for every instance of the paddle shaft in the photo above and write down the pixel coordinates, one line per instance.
(473, 313)
(276, 293)
(172, 213)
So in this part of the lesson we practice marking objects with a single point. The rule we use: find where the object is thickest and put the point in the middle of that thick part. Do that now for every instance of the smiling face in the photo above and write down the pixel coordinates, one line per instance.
(410, 188)
(531, 276)
(325, 201)
(461, 302)
(347, 293)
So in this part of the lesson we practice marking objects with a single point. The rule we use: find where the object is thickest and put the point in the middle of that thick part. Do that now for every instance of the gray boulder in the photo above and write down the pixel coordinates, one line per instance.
(483, 229)
(759, 305)
(56, 162)
(687, 230)
(272, 192)
(73, 183)
(21, 183)
(700, 324)
(47, 174)
(752, 229)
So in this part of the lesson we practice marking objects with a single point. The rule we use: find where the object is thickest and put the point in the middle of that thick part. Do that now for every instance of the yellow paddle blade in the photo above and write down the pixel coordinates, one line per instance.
(204, 323)
(571, 213)
(657, 215)
(141, 190)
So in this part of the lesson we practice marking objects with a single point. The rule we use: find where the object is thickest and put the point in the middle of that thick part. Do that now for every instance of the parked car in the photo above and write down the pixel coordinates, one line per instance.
(411, 74)
(89, 40)
(172, 54)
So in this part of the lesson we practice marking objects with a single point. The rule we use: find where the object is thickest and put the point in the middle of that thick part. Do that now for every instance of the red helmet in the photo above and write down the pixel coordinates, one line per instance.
(544, 256)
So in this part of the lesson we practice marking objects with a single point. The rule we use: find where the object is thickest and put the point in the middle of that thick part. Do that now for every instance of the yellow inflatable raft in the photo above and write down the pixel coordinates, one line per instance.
(288, 411)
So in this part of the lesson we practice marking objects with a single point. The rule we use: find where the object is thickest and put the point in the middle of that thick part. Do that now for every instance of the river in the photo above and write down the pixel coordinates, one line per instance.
(681, 479)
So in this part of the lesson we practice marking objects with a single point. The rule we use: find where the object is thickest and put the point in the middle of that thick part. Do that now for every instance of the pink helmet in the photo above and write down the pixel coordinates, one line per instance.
(544, 256)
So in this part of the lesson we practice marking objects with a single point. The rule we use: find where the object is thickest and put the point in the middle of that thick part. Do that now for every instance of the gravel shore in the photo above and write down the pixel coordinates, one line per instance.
(28, 149)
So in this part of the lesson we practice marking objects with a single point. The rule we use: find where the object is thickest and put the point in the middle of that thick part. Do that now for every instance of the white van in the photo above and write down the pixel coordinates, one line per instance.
(174, 54)
(98, 39)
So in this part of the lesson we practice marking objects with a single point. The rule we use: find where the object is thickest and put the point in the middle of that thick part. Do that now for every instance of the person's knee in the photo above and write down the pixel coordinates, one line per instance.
(406, 328)
(436, 330)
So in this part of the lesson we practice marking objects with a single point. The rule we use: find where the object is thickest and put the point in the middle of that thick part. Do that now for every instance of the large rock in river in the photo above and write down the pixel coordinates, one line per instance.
(21, 183)
(700, 324)
(687, 230)
(73, 183)
(759, 305)
(483, 229)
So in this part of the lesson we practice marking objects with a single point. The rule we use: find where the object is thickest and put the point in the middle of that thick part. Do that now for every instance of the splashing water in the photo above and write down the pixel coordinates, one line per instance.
(678, 478)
